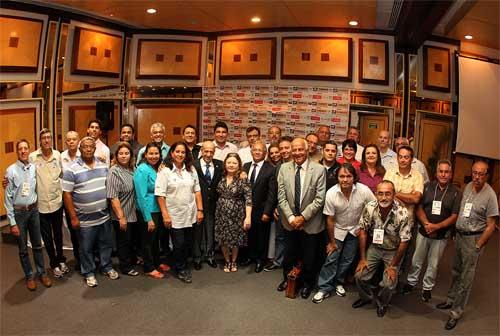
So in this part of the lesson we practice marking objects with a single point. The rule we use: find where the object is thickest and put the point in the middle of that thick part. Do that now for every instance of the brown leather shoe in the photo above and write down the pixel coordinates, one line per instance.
(45, 280)
(31, 284)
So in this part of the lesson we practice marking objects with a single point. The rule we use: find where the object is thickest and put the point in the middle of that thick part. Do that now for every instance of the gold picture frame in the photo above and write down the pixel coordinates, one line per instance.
(373, 62)
(437, 75)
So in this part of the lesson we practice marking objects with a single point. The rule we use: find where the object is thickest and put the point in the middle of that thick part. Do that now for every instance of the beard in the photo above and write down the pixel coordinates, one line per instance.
(384, 204)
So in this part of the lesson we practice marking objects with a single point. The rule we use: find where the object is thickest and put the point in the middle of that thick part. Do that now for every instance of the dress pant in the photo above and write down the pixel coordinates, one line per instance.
(91, 236)
(124, 245)
(151, 243)
(74, 238)
(203, 238)
(463, 272)
(182, 242)
(302, 247)
(51, 229)
(374, 257)
(279, 243)
(258, 240)
(29, 221)
(432, 250)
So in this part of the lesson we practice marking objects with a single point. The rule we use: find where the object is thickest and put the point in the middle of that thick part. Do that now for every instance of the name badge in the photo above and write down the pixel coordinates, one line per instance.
(25, 190)
(436, 207)
(467, 210)
(378, 236)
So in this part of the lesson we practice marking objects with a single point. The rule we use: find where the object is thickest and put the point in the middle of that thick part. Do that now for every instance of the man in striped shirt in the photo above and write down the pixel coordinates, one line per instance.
(84, 187)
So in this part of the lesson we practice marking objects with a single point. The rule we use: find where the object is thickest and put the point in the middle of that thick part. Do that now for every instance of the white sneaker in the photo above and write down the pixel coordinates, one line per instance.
(57, 272)
(340, 290)
(112, 274)
(91, 281)
(320, 296)
(64, 268)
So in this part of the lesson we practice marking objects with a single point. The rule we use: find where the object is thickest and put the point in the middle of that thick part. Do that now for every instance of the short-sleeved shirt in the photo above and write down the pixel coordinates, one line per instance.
(221, 152)
(120, 184)
(48, 177)
(102, 152)
(66, 160)
(484, 205)
(368, 180)
(346, 212)
(331, 174)
(388, 157)
(416, 164)
(88, 189)
(449, 197)
(178, 187)
(406, 184)
(396, 227)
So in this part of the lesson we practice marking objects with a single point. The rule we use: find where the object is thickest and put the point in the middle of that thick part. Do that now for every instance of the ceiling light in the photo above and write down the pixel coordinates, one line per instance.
(255, 19)
(353, 23)
(468, 37)
(151, 10)
(111, 14)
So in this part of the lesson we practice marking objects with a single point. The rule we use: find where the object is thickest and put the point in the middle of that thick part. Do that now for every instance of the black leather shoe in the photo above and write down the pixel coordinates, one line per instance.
(259, 267)
(212, 263)
(444, 305)
(282, 286)
(197, 265)
(426, 295)
(381, 311)
(305, 292)
(245, 262)
(451, 323)
(360, 303)
(406, 289)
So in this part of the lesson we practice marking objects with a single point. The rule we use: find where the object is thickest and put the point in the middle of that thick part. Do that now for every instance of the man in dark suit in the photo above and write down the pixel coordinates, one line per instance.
(301, 196)
(261, 175)
(209, 173)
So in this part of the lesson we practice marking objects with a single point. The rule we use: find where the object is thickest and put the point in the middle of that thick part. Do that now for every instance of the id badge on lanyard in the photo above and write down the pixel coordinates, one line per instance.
(378, 236)
(467, 209)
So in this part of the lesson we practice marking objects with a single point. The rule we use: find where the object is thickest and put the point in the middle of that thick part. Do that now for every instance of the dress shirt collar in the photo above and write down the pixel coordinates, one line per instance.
(259, 164)
(226, 145)
(304, 165)
(204, 163)
(410, 174)
(23, 166)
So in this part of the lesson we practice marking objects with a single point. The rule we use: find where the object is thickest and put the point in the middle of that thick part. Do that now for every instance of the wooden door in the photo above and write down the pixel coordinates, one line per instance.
(370, 125)
(15, 124)
(174, 117)
(434, 141)
(79, 117)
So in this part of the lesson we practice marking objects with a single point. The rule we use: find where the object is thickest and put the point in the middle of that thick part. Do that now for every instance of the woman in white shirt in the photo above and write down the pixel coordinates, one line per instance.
(178, 194)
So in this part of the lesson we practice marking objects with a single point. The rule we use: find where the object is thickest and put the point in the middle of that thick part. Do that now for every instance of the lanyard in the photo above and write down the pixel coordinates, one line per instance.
(444, 194)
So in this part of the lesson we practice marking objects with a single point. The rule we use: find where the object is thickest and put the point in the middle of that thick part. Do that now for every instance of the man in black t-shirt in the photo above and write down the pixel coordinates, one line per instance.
(437, 213)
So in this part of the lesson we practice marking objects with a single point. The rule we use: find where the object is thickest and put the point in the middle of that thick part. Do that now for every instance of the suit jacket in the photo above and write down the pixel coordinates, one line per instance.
(313, 196)
(263, 190)
(209, 190)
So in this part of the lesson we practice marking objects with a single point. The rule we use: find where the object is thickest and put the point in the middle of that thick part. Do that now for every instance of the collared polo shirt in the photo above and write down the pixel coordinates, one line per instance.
(221, 152)
(48, 178)
(484, 205)
(66, 160)
(17, 174)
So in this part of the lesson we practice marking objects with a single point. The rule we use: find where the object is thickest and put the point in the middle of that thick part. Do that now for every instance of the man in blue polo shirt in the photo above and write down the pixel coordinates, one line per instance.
(84, 187)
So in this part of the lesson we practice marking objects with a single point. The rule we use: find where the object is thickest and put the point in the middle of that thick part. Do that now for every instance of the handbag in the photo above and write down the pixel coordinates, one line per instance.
(293, 279)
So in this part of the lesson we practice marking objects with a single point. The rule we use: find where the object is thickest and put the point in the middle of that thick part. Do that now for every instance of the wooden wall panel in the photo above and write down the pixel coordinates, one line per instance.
(79, 117)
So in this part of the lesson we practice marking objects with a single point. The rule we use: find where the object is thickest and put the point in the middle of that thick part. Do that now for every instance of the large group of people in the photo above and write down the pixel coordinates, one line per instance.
(367, 214)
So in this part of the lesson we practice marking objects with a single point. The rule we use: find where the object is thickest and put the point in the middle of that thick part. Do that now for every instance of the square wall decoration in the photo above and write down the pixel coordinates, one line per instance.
(96, 53)
(317, 58)
(373, 62)
(248, 59)
(168, 59)
(20, 44)
(436, 69)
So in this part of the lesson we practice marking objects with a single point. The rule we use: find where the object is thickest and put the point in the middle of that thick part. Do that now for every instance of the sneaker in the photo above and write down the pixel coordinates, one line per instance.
(91, 281)
(406, 289)
(184, 276)
(112, 274)
(58, 273)
(340, 290)
(271, 267)
(320, 296)
(426, 295)
(64, 268)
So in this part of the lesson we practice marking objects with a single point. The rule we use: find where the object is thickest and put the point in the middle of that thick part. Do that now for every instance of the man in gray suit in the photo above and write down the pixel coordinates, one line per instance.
(301, 196)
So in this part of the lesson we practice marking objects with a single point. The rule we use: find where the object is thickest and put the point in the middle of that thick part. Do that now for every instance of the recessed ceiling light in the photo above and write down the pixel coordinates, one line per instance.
(151, 10)
(111, 14)
(255, 19)
(468, 37)
(353, 23)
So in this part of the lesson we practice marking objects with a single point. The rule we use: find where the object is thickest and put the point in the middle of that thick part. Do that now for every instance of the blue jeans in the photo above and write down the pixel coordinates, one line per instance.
(337, 263)
(280, 242)
(29, 221)
(89, 237)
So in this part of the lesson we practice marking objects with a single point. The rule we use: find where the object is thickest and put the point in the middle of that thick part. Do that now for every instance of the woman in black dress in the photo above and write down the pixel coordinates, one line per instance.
(233, 211)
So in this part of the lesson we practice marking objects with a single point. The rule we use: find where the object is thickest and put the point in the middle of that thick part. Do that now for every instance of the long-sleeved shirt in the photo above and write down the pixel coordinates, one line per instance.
(49, 178)
(144, 183)
(21, 189)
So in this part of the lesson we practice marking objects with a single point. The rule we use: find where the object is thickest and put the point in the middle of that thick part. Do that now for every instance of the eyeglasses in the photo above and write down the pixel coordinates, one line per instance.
(480, 174)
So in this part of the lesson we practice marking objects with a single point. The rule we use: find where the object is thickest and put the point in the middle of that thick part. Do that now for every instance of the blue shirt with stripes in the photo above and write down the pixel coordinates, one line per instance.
(88, 190)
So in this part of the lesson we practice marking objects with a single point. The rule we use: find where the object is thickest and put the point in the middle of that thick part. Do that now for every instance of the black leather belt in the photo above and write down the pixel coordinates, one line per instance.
(25, 207)
(470, 233)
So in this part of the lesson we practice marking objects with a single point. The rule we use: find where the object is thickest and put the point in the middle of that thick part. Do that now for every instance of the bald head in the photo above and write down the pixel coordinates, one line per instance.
(299, 150)
(401, 141)
(207, 151)
(72, 139)
(323, 134)
(384, 141)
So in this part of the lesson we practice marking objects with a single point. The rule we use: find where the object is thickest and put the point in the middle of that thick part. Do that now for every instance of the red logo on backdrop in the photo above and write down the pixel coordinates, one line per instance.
(336, 120)
(315, 118)
(276, 109)
(259, 101)
(316, 96)
(336, 98)
(294, 116)
(221, 114)
(240, 94)
(297, 95)
(236, 121)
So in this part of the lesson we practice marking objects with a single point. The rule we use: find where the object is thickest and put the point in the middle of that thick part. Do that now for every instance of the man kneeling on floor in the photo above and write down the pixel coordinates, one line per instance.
(387, 223)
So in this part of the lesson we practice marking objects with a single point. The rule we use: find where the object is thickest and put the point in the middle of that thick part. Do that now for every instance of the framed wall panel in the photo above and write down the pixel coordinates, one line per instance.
(436, 68)
(248, 59)
(168, 59)
(373, 61)
(96, 53)
(316, 58)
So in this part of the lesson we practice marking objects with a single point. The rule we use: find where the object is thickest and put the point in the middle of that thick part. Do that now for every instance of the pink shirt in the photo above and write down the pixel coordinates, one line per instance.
(368, 180)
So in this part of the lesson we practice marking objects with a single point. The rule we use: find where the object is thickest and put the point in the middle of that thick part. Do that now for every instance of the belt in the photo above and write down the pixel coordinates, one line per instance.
(26, 207)
(470, 233)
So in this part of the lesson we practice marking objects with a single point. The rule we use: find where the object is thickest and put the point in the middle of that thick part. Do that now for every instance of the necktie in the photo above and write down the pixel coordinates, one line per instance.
(208, 177)
(297, 191)
(252, 176)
